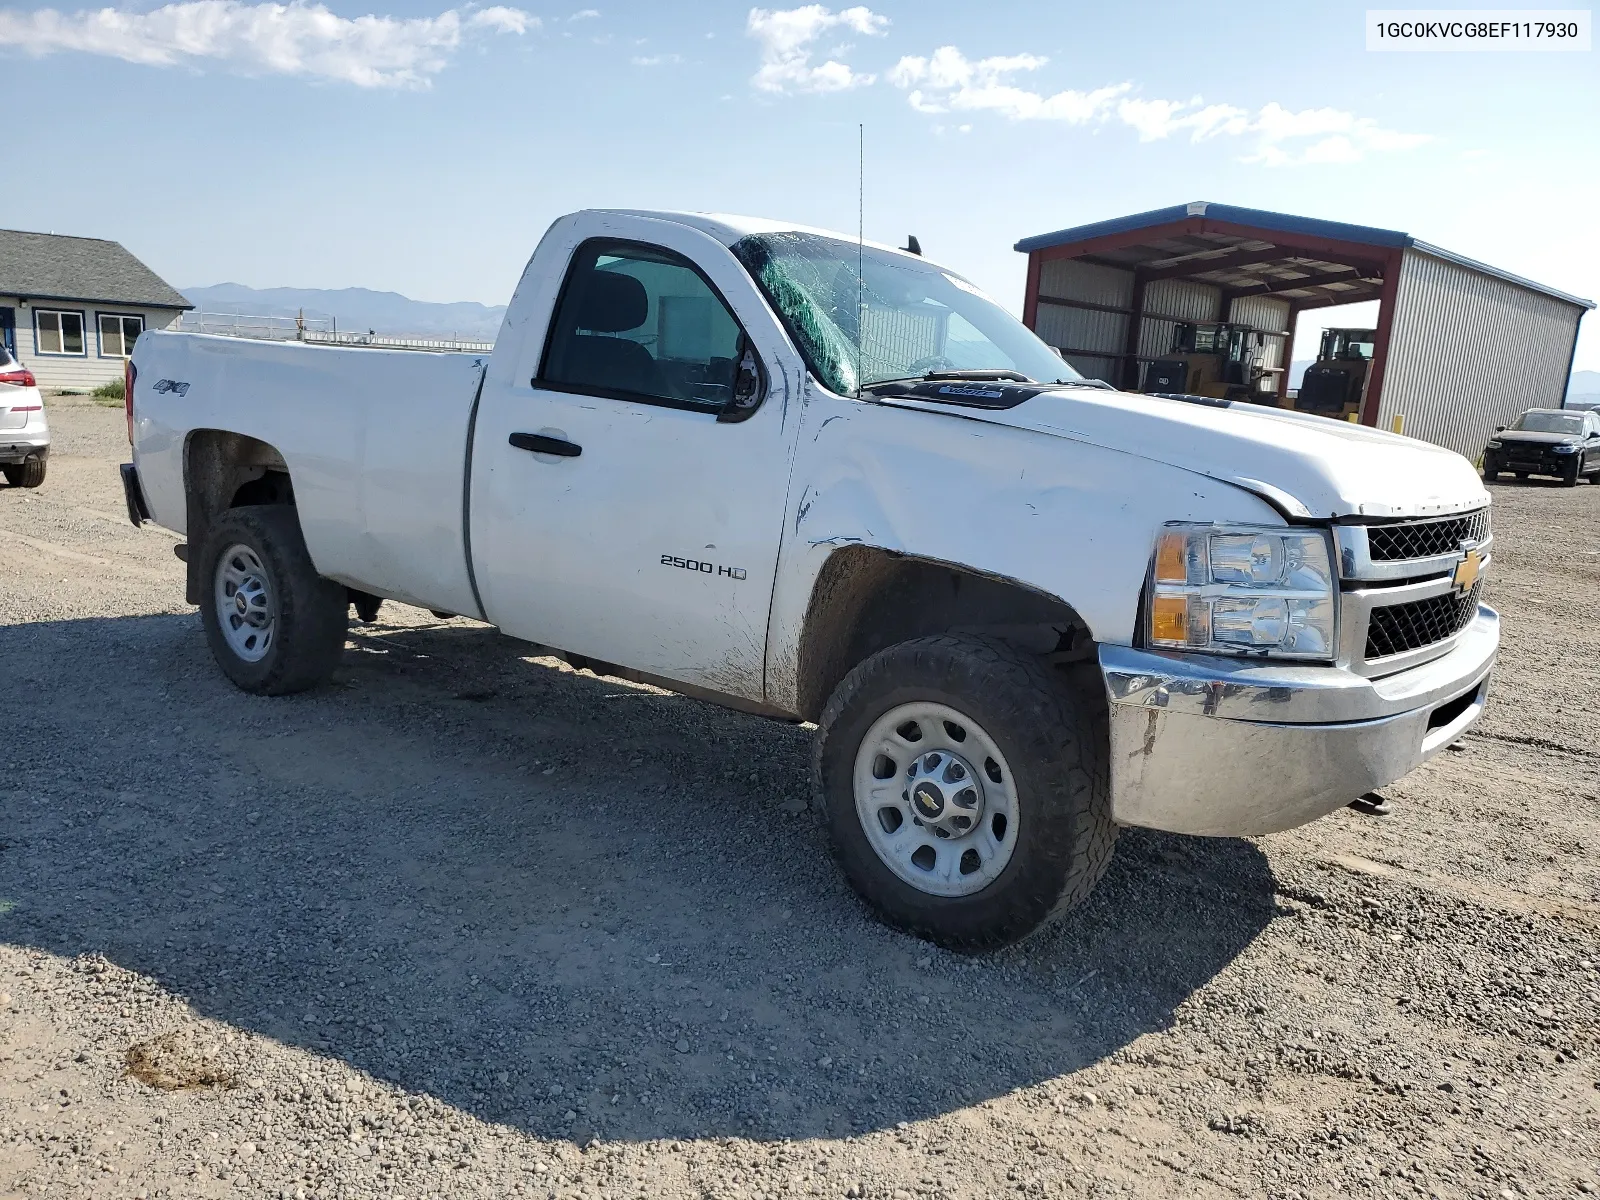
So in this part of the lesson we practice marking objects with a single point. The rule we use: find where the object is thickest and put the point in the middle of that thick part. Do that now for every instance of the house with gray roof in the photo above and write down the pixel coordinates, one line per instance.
(71, 307)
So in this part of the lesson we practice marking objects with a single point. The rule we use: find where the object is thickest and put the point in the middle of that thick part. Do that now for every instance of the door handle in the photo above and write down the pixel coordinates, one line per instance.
(541, 443)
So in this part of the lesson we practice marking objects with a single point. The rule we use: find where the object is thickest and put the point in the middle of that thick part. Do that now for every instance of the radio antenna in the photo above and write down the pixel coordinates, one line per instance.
(861, 242)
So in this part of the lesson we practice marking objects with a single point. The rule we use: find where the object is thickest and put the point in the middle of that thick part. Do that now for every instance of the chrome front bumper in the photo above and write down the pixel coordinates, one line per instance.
(1233, 747)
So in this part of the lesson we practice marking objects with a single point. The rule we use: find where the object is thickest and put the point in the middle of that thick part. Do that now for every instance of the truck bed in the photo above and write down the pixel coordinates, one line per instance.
(375, 441)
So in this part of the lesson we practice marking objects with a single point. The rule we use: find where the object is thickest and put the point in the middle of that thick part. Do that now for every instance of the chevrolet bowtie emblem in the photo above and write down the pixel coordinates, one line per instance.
(1467, 571)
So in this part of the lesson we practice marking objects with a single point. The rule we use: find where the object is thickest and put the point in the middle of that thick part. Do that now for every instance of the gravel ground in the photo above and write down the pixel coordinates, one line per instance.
(469, 923)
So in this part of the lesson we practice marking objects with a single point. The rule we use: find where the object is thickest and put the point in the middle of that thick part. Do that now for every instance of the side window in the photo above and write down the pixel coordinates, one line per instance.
(118, 332)
(639, 322)
(58, 332)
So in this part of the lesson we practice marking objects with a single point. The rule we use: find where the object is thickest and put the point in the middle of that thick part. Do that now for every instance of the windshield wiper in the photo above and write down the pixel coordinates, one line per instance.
(974, 376)
(1094, 383)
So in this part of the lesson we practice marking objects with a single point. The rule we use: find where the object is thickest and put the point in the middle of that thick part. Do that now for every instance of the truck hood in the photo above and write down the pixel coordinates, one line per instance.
(1304, 465)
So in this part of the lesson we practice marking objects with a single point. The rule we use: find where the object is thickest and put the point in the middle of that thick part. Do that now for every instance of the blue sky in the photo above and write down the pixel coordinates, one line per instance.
(425, 149)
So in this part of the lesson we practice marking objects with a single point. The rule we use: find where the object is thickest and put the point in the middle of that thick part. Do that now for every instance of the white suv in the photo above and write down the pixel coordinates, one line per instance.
(24, 432)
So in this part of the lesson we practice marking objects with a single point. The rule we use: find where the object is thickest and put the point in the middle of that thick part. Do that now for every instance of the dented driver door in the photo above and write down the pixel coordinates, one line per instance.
(614, 515)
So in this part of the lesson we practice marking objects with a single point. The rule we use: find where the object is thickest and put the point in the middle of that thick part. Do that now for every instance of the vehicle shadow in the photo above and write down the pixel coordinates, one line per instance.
(552, 900)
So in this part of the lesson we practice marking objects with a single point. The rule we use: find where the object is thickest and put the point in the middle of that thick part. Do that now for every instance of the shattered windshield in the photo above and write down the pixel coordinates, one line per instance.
(912, 316)
(1549, 422)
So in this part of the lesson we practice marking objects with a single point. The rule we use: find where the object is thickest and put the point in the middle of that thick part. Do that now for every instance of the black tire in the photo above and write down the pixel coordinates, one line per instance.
(1053, 740)
(28, 474)
(1522, 476)
(1574, 473)
(311, 613)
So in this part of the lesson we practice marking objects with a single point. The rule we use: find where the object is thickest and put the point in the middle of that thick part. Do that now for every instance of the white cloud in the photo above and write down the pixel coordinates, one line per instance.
(585, 14)
(984, 85)
(948, 81)
(786, 35)
(656, 60)
(503, 20)
(266, 38)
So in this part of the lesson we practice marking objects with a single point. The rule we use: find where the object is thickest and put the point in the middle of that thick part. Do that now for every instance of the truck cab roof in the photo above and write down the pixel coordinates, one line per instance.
(729, 228)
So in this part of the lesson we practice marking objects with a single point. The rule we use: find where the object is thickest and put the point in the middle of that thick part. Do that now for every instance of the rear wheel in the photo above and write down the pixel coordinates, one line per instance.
(274, 625)
(965, 790)
(28, 474)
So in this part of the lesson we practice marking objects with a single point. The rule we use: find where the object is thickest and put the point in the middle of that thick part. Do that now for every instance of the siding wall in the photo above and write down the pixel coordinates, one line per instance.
(1083, 328)
(1180, 298)
(1087, 329)
(1469, 352)
(1268, 314)
(77, 372)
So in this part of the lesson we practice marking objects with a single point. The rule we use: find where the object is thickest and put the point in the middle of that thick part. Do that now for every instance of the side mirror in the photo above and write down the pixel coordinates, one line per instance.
(1499, 428)
(749, 387)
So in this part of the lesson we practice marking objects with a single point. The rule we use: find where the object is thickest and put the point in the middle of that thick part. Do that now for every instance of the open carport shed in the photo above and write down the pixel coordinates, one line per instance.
(1461, 347)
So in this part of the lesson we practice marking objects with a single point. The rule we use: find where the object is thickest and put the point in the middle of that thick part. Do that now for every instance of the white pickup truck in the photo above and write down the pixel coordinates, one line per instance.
(772, 468)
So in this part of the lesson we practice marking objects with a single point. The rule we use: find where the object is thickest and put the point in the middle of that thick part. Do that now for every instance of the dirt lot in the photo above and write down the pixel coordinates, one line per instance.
(472, 924)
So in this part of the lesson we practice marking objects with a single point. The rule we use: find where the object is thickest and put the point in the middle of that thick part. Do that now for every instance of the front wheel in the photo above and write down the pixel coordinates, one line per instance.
(964, 787)
(274, 625)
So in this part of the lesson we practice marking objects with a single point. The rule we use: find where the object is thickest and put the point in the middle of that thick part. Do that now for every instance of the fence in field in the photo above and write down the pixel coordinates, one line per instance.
(319, 331)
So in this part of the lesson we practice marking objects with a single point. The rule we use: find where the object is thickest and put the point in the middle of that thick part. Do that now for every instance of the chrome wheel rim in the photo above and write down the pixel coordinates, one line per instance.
(936, 799)
(246, 609)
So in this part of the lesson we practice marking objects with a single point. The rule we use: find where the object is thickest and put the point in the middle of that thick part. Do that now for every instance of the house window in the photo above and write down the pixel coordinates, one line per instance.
(58, 332)
(118, 331)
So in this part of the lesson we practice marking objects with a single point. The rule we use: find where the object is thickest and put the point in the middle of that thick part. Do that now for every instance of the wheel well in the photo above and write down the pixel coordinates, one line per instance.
(866, 599)
(223, 470)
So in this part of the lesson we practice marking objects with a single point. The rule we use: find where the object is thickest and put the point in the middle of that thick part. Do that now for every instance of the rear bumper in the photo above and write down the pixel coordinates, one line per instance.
(1227, 747)
(16, 447)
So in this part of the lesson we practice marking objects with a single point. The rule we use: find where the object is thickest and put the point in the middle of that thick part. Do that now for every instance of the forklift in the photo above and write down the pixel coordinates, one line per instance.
(1335, 384)
(1215, 359)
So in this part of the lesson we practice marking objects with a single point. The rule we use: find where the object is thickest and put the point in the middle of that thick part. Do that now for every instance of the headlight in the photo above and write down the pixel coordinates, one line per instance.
(1494, 444)
(1241, 590)
(1565, 448)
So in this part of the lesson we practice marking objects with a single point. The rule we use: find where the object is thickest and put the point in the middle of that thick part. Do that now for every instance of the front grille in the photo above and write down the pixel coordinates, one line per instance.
(1398, 628)
(1425, 539)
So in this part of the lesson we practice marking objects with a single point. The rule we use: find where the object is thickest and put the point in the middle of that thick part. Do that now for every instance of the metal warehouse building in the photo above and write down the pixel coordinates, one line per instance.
(1460, 347)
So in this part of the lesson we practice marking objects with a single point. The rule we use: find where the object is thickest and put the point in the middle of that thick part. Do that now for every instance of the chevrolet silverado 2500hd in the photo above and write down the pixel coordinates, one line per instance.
(770, 467)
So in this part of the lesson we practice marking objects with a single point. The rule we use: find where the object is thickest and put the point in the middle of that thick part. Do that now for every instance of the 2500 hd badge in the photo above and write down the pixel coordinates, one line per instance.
(705, 568)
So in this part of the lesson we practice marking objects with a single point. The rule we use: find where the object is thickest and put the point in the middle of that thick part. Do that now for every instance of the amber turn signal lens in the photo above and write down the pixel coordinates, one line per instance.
(1170, 565)
(1169, 619)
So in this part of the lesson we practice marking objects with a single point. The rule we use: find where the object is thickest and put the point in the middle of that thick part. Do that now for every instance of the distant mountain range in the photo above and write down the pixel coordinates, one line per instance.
(356, 310)
(1585, 385)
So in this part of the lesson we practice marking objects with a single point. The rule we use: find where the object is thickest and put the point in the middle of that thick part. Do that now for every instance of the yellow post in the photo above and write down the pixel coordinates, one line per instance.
(1399, 423)
(1353, 418)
